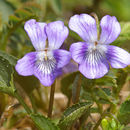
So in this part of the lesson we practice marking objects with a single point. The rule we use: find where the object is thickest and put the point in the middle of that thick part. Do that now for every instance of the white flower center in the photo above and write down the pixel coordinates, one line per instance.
(46, 62)
(95, 52)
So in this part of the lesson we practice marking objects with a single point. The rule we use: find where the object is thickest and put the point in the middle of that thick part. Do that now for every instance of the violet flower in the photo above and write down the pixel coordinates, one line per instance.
(95, 56)
(46, 62)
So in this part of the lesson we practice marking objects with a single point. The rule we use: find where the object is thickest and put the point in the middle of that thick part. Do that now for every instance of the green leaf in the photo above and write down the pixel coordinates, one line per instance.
(43, 123)
(11, 59)
(56, 6)
(103, 92)
(125, 33)
(73, 113)
(113, 124)
(6, 72)
(124, 113)
(104, 124)
(104, 95)
(28, 83)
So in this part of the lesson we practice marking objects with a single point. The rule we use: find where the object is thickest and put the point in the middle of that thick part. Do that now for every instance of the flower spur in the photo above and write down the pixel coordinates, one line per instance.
(46, 62)
(95, 56)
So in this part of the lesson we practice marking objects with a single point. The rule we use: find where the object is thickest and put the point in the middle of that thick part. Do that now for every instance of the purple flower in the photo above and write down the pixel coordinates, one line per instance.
(46, 62)
(94, 56)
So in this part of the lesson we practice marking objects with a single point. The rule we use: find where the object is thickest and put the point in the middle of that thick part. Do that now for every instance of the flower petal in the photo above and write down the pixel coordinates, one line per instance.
(36, 33)
(57, 33)
(117, 57)
(110, 29)
(46, 69)
(62, 57)
(70, 68)
(25, 65)
(85, 26)
(78, 51)
(46, 79)
(95, 66)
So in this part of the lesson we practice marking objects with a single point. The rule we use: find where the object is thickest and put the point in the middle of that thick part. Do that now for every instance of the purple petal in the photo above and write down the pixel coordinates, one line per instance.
(117, 57)
(57, 33)
(46, 69)
(70, 68)
(78, 51)
(110, 29)
(46, 79)
(25, 65)
(36, 33)
(95, 66)
(85, 26)
(62, 57)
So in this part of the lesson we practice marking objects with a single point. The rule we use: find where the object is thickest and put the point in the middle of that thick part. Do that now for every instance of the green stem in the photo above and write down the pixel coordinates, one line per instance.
(21, 101)
(78, 89)
(51, 100)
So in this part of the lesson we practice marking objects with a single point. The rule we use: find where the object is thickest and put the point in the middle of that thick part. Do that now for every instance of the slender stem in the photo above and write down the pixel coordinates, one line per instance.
(95, 16)
(21, 101)
(51, 100)
(78, 89)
